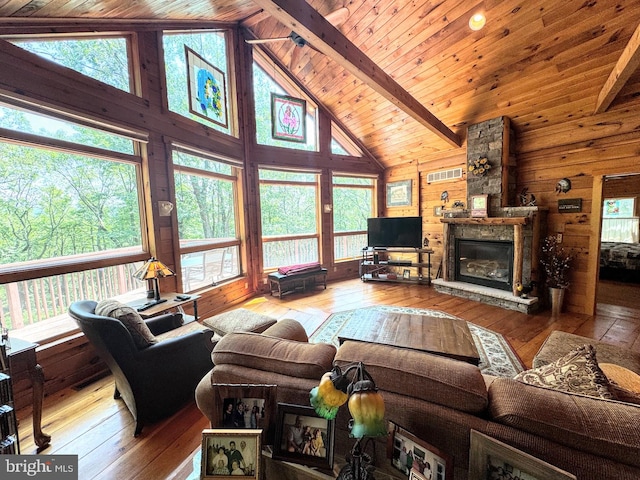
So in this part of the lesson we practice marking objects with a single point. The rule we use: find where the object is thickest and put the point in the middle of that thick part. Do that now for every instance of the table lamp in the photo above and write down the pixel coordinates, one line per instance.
(152, 270)
(365, 405)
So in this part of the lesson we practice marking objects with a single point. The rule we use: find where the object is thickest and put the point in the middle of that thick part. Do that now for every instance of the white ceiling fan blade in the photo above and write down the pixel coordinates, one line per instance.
(267, 40)
(338, 17)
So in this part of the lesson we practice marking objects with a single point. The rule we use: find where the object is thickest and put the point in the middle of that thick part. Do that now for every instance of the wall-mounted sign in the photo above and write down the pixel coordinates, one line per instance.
(570, 205)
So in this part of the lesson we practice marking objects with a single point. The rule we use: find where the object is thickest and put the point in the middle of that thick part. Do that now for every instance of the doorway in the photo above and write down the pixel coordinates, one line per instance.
(618, 284)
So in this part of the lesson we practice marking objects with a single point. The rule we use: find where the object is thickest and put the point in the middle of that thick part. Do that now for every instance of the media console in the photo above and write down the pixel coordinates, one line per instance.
(378, 264)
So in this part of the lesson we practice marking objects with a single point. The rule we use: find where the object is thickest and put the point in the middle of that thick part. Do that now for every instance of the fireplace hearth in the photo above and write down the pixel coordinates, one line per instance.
(484, 262)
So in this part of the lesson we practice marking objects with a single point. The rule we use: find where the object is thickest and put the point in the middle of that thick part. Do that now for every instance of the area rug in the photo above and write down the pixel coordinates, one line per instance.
(496, 355)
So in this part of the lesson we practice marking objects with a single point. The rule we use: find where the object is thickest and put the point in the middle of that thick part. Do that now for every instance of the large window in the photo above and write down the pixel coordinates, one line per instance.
(65, 207)
(289, 210)
(353, 203)
(207, 208)
(620, 222)
(105, 58)
(266, 80)
(211, 47)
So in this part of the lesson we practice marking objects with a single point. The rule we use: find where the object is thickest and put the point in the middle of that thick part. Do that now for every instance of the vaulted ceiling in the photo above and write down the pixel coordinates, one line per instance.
(408, 76)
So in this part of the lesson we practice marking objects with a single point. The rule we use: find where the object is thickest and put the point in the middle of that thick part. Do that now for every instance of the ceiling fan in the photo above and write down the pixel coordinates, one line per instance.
(335, 18)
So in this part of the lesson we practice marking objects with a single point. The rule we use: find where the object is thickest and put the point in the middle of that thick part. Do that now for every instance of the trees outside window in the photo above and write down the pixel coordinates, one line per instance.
(353, 203)
(207, 206)
(289, 212)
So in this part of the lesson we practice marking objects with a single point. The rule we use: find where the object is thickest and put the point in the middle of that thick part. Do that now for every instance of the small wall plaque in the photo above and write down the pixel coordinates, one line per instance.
(570, 205)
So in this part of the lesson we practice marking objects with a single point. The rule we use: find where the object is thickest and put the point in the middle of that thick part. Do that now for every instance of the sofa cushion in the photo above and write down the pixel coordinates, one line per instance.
(289, 329)
(432, 378)
(623, 383)
(142, 336)
(576, 372)
(272, 354)
(601, 427)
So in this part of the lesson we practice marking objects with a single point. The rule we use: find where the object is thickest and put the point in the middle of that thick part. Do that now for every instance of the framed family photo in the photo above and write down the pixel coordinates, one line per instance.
(228, 454)
(245, 406)
(303, 437)
(491, 459)
(416, 458)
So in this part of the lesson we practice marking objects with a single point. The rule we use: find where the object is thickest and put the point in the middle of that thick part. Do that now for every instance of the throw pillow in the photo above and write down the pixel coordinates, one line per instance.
(130, 318)
(623, 383)
(576, 372)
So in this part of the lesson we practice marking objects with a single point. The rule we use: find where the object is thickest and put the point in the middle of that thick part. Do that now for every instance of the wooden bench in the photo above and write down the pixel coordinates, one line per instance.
(283, 284)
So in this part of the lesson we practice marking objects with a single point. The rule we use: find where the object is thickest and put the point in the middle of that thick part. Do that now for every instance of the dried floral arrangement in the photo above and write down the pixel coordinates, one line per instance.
(556, 261)
(480, 166)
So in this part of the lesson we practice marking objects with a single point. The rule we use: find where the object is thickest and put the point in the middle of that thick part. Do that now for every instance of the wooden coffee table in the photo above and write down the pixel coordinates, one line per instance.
(449, 337)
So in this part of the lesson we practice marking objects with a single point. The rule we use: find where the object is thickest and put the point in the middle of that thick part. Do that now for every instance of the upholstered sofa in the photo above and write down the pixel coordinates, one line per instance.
(440, 401)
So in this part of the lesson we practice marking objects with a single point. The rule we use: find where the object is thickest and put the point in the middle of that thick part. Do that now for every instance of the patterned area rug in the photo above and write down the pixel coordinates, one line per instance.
(496, 356)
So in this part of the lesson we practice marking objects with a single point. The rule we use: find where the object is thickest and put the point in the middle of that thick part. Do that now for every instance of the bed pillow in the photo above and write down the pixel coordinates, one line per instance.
(576, 372)
(130, 318)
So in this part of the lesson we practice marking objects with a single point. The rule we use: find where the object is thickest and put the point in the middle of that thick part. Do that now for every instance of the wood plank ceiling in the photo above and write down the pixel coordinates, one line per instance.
(541, 62)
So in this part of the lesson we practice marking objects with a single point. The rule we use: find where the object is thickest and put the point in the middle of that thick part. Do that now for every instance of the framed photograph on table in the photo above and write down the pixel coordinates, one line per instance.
(228, 453)
(406, 274)
(240, 406)
(303, 437)
(479, 205)
(491, 459)
(413, 456)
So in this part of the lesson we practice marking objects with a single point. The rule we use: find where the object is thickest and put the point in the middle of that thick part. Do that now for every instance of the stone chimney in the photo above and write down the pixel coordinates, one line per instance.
(494, 140)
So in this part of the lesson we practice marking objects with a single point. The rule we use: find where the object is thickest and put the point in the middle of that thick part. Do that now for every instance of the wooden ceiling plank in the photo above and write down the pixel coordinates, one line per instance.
(627, 64)
(305, 21)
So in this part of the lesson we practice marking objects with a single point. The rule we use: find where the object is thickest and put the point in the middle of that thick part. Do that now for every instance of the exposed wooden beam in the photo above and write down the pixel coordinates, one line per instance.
(627, 64)
(300, 17)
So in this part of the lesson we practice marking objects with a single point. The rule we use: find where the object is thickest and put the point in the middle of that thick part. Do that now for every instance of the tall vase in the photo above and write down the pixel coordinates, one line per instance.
(557, 299)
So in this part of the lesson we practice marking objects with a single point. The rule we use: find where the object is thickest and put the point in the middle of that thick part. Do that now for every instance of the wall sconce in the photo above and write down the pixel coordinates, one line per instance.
(165, 208)
(328, 208)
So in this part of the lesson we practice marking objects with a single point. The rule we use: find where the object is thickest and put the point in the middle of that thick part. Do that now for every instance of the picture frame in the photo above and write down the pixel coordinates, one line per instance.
(207, 89)
(218, 460)
(399, 193)
(403, 446)
(406, 274)
(488, 456)
(253, 395)
(303, 437)
(479, 205)
(288, 118)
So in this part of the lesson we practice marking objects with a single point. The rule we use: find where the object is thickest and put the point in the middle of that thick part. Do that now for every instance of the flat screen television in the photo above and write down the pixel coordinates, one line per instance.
(394, 232)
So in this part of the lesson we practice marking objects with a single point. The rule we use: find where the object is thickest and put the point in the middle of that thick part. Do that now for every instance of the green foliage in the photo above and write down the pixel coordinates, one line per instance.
(54, 204)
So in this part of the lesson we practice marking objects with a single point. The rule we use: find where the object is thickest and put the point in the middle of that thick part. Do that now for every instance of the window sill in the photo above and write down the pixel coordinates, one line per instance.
(47, 332)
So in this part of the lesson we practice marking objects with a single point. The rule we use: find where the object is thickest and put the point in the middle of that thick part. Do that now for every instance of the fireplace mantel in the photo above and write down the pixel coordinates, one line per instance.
(486, 220)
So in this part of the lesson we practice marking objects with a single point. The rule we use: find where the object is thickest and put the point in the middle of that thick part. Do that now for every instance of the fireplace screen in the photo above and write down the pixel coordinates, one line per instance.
(485, 262)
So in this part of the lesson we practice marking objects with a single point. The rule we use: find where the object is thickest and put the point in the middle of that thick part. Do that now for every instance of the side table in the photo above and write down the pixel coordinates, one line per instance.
(170, 302)
(23, 364)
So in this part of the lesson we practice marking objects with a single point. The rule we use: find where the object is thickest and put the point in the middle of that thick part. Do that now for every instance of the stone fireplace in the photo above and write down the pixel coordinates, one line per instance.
(486, 257)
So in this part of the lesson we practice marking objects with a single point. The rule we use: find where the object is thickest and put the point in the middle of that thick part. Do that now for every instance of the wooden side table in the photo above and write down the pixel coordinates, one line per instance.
(23, 364)
(170, 303)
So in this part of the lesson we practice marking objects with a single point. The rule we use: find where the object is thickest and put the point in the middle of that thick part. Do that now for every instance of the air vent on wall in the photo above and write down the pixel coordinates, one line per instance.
(443, 175)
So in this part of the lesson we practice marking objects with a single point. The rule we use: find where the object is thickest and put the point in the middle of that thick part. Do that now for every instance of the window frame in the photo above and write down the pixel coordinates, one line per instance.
(300, 236)
(204, 245)
(374, 208)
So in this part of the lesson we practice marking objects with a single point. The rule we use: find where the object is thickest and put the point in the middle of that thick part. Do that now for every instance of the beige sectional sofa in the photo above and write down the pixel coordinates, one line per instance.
(440, 401)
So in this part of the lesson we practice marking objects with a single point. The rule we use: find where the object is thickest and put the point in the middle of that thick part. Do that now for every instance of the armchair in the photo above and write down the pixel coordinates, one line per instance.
(154, 381)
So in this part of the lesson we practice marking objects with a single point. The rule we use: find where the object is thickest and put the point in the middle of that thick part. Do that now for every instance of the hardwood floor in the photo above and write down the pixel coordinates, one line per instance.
(87, 421)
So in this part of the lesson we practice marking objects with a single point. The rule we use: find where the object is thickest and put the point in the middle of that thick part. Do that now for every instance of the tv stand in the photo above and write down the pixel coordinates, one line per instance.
(390, 264)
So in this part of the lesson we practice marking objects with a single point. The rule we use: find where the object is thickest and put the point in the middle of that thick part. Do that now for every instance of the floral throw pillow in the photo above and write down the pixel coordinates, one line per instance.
(130, 318)
(576, 372)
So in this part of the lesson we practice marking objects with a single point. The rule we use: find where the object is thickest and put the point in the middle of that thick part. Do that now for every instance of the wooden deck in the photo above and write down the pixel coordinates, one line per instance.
(87, 421)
